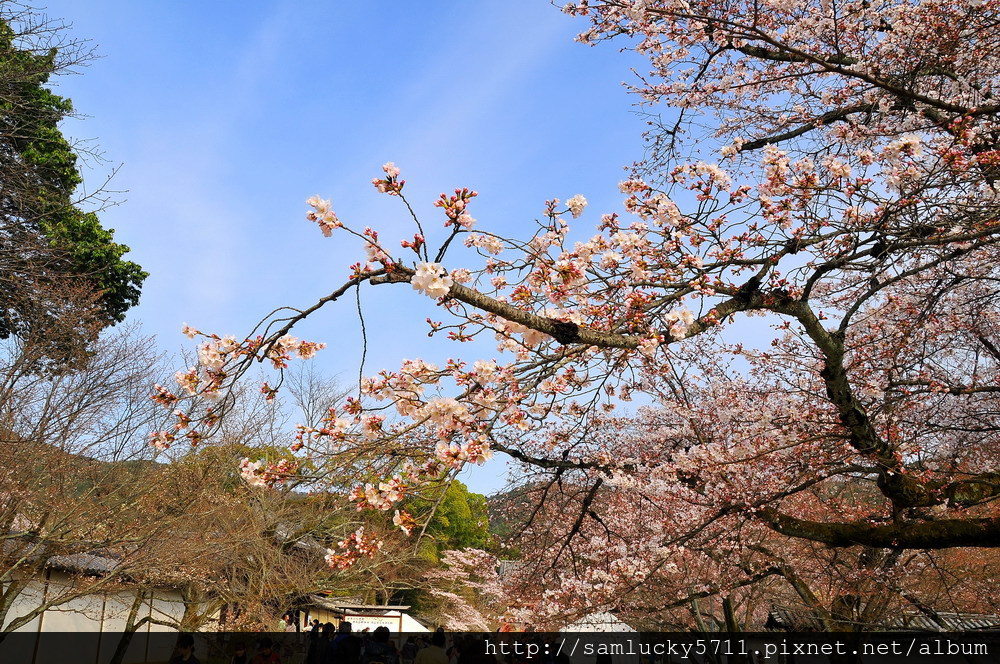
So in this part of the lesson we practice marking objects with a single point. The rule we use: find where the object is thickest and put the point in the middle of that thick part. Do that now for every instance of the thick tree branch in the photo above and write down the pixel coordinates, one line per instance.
(893, 480)
(863, 436)
(571, 333)
(943, 534)
(826, 118)
(776, 55)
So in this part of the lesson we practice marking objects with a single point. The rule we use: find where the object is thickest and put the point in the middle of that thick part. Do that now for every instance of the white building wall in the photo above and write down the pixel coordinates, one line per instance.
(80, 614)
(116, 610)
(166, 605)
(29, 598)
(88, 615)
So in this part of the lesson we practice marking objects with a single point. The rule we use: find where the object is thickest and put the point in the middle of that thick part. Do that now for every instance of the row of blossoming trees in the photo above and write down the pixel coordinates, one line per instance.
(830, 166)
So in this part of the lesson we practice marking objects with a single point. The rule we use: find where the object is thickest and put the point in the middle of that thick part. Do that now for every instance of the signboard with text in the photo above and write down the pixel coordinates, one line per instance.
(360, 623)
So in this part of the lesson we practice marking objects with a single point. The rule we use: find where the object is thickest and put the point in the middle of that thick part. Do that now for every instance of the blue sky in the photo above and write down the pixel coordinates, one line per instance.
(225, 117)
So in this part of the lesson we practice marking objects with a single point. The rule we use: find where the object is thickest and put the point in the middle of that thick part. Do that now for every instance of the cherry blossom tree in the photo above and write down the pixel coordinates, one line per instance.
(828, 166)
(467, 591)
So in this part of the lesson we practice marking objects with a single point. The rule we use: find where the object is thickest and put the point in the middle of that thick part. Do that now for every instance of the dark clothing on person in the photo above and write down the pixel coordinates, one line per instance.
(314, 654)
(379, 652)
(409, 650)
(344, 649)
(179, 659)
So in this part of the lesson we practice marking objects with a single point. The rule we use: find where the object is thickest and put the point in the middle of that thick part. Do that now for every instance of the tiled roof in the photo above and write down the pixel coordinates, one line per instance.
(782, 618)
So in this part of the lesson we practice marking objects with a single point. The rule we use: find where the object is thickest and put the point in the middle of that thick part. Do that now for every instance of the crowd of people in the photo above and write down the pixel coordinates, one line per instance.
(327, 644)
(346, 647)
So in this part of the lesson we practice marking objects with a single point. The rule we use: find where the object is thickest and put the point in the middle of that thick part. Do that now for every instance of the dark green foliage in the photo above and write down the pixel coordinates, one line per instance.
(57, 262)
(460, 521)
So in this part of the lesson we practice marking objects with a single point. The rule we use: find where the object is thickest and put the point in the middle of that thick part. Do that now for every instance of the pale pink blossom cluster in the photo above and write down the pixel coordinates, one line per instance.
(432, 280)
(161, 440)
(285, 346)
(210, 355)
(206, 378)
(909, 145)
(262, 474)
(456, 454)
(632, 186)
(776, 170)
(899, 158)
(381, 496)
(485, 371)
(372, 426)
(413, 377)
(837, 167)
(308, 349)
(488, 243)
(610, 260)
(710, 178)
(213, 354)
(576, 205)
(446, 412)
(252, 472)
(188, 380)
(571, 272)
(323, 215)
(404, 521)
(183, 421)
(353, 547)
(530, 337)
(648, 345)
(374, 253)
(678, 322)
(656, 207)
(405, 387)
(733, 148)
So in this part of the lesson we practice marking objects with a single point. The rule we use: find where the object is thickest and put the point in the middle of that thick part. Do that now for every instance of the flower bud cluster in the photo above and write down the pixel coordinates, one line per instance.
(390, 184)
(455, 208)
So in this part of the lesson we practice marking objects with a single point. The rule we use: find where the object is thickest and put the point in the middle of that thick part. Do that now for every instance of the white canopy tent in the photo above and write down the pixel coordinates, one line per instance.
(598, 622)
(604, 622)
